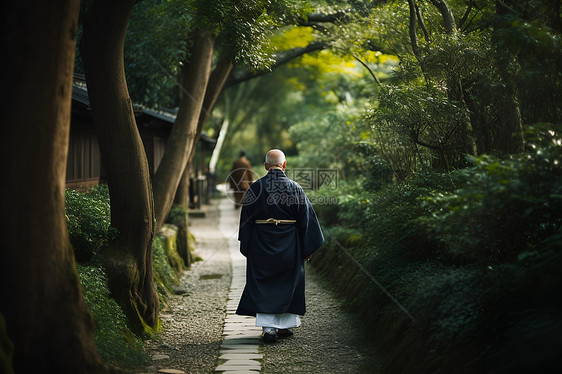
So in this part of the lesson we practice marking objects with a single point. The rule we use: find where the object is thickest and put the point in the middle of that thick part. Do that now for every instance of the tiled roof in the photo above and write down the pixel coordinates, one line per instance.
(80, 95)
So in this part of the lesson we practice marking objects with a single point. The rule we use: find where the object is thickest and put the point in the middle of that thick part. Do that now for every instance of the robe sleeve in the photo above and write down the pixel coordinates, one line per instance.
(247, 221)
(309, 228)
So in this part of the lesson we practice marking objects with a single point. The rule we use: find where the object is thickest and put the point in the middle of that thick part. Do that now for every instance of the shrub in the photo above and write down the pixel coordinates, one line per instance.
(88, 221)
(389, 218)
(473, 255)
(506, 208)
(114, 340)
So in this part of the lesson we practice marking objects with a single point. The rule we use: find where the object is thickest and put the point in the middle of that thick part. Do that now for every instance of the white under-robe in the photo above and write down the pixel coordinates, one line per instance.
(278, 321)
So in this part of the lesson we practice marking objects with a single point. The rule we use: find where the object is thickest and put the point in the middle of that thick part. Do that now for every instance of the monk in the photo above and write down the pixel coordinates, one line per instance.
(278, 231)
(240, 178)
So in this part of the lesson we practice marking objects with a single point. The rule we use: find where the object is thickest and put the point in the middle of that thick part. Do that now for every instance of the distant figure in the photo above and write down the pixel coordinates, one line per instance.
(240, 178)
(278, 232)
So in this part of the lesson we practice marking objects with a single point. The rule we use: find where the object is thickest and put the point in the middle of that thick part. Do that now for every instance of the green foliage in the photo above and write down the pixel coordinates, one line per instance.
(114, 340)
(431, 205)
(452, 97)
(460, 311)
(177, 215)
(472, 255)
(89, 221)
(322, 151)
(243, 28)
(539, 52)
(90, 231)
(160, 36)
(155, 44)
(418, 126)
(506, 208)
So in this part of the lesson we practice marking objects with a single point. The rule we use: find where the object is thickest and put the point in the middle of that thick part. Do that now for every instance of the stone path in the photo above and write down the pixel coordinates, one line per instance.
(239, 350)
(202, 334)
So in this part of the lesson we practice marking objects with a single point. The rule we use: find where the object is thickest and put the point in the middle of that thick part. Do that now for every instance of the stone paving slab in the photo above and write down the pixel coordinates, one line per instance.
(242, 330)
(241, 327)
(192, 323)
(242, 349)
(242, 362)
(245, 334)
(234, 317)
(240, 356)
(239, 340)
(226, 367)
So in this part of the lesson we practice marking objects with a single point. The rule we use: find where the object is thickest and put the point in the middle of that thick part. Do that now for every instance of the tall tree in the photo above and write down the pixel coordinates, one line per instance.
(194, 80)
(42, 302)
(215, 85)
(240, 31)
(128, 260)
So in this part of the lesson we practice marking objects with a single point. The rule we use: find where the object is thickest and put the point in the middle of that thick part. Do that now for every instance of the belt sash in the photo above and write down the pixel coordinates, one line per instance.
(276, 221)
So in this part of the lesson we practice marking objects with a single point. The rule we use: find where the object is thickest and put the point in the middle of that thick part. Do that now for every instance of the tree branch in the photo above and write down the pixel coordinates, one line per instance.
(465, 28)
(466, 14)
(422, 23)
(368, 69)
(242, 74)
(415, 138)
(314, 18)
(447, 14)
(412, 28)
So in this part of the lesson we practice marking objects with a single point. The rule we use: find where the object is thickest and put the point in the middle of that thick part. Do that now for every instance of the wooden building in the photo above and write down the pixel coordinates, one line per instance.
(83, 163)
(84, 168)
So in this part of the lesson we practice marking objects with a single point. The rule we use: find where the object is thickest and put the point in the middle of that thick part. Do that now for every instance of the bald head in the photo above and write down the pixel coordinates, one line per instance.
(275, 158)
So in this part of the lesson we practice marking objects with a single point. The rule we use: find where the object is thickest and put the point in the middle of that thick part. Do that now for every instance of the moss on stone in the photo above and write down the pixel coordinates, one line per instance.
(169, 235)
(184, 240)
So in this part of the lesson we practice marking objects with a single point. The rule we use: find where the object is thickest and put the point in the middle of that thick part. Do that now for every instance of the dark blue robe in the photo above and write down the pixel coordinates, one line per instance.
(276, 253)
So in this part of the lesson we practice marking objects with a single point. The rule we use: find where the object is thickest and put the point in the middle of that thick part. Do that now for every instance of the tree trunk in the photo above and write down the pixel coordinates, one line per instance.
(182, 194)
(129, 258)
(194, 79)
(509, 138)
(214, 88)
(481, 123)
(181, 200)
(42, 303)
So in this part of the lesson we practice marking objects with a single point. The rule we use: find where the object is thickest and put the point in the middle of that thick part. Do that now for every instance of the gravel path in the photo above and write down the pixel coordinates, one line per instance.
(329, 340)
(192, 323)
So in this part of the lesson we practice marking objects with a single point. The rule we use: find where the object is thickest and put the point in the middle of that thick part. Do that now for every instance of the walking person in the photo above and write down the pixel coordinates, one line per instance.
(240, 178)
(278, 231)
